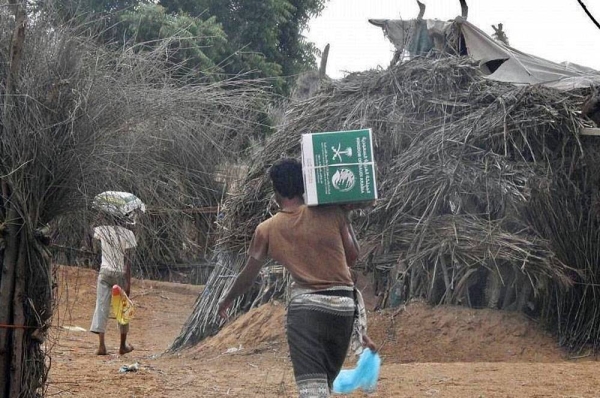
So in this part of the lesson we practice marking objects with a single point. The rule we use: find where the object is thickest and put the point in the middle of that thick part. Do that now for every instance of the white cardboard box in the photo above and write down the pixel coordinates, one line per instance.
(338, 167)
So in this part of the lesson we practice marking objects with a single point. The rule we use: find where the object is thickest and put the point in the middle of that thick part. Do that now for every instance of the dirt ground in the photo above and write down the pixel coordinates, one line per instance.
(426, 352)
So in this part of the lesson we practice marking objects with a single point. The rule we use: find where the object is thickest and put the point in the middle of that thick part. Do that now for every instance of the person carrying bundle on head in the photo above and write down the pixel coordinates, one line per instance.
(115, 239)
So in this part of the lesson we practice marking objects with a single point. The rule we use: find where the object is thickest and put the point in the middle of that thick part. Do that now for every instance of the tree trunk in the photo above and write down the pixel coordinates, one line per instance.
(16, 51)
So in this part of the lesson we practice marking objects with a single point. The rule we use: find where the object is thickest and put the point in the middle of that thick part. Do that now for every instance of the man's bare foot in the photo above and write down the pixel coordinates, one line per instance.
(101, 351)
(125, 349)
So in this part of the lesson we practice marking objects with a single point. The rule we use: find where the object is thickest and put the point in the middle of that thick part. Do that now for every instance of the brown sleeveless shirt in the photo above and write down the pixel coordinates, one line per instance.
(308, 243)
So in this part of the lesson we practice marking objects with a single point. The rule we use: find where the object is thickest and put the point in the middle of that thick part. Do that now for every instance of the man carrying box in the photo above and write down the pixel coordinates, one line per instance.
(317, 246)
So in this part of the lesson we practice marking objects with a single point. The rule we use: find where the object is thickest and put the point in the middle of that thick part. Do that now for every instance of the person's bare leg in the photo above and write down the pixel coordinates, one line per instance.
(101, 345)
(124, 348)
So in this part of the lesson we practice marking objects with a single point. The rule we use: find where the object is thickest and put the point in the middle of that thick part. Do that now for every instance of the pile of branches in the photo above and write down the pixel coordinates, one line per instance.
(167, 144)
(169, 156)
(77, 120)
(477, 180)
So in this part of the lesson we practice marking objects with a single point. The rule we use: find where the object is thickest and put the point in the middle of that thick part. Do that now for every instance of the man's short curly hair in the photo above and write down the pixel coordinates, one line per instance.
(286, 175)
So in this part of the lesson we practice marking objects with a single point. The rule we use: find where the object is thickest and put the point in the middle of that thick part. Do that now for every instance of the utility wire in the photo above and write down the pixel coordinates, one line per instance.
(589, 14)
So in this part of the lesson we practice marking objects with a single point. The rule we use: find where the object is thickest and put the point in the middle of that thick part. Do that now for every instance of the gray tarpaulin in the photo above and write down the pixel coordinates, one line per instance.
(521, 68)
(499, 62)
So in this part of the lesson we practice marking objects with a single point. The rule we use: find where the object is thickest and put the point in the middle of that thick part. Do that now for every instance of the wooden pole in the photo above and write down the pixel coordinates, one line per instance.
(7, 285)
(421, 11)
(323, 67)
(464, 9)
(17, 367)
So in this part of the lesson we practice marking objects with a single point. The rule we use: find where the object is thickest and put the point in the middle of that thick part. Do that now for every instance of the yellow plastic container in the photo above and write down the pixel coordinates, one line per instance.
(122, 306)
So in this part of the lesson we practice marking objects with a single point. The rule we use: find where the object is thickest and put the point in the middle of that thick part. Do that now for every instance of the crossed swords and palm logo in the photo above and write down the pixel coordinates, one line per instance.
(343, 179)
(337, 153)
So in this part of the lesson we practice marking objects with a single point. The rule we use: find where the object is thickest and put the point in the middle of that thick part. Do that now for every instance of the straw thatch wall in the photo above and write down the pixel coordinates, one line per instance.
(487, 192)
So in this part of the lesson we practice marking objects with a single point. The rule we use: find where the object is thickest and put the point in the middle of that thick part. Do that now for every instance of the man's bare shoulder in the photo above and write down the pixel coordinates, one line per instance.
(264, 226)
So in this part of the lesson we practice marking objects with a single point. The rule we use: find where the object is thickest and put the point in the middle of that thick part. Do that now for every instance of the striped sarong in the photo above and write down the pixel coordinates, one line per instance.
(319, 328)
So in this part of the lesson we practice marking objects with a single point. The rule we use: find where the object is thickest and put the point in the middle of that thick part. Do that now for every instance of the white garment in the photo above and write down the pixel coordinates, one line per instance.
(359, 329)
(114, 241)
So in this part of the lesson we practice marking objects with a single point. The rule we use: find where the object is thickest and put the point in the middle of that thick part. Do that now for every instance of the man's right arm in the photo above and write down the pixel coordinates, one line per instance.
(131, 243)
(256, 256)
(127, 263)
(242, 283)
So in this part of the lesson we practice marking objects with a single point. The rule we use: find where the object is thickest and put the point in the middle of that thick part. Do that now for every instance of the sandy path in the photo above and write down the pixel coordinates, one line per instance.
(439, 352)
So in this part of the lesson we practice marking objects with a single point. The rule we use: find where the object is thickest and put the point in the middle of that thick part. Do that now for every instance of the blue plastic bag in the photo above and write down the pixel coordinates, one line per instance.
(364, 376)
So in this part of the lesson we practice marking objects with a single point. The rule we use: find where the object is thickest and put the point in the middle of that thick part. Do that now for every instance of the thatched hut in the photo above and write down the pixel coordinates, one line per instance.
(488, 191)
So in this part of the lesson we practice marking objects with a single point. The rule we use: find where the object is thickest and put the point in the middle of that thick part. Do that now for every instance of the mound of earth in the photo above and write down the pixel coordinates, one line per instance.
(415, 333)
(421, 333)
(255, 329)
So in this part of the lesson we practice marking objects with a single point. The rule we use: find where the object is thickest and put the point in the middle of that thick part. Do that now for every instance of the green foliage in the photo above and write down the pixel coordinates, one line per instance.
(196, 46)
(206, 38)
(264, 36)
